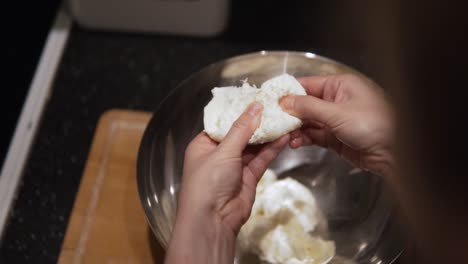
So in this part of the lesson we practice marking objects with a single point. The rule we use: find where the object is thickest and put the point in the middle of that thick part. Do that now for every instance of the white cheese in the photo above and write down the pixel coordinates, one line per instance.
(228, 103)
(283, 215)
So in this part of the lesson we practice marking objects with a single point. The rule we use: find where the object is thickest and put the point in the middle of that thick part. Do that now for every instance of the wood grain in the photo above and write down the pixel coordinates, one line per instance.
(107, 224)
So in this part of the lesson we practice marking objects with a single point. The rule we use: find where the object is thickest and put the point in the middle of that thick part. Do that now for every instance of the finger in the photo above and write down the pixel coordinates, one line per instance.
(314, 136)
(296, 139)
(246, 158)
(304, 139)
(296, 142)
(203, 138)
(242, 130)
(200, 144)
(309, 136)
(315, 85)
(309, 108)
(312, 124)
(295, 134)
(322, 138)
(250, 152)
(258, 165)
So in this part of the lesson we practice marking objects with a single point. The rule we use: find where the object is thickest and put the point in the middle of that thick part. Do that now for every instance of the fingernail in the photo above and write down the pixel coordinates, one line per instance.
(254, 108)
(286, 102)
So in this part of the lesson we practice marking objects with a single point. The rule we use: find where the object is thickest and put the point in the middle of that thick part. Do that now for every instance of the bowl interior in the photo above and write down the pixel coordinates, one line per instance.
(357, 214)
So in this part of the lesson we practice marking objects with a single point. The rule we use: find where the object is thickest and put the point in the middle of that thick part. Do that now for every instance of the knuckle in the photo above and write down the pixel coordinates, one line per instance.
(241, 123)
(300, 105)
(349, 78)
(338, 80)
(339, 85)
(290, 102)
(238, 125)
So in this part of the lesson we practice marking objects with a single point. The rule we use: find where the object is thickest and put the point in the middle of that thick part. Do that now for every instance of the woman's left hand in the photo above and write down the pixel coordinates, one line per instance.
(218, 191)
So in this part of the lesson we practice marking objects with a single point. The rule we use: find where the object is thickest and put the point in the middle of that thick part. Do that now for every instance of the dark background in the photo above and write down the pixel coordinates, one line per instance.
(24, 39)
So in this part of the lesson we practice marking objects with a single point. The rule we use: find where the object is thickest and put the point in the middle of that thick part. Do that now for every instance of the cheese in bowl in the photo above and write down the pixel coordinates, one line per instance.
(280, 227)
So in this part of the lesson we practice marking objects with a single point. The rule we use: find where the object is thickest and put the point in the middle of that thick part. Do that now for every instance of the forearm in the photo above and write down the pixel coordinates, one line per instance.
(201, 241)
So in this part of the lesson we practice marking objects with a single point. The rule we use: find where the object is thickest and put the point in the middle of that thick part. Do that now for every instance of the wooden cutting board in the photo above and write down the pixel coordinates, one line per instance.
(107, 224)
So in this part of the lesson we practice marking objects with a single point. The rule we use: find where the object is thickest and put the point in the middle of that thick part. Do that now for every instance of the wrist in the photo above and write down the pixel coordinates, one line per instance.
(200, 238)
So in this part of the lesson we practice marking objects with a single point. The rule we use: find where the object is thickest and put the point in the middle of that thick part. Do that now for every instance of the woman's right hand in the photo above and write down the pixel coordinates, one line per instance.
(348, 115)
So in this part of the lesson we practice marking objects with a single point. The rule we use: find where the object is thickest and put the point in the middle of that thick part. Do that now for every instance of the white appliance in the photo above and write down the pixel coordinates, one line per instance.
(183, 17)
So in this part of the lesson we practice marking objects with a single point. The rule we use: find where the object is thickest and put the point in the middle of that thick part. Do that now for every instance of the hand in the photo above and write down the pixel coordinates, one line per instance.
(348, 115)
(218, 191)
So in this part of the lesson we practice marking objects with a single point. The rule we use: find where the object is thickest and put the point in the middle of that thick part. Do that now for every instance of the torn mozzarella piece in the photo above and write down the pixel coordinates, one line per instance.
(229, 103)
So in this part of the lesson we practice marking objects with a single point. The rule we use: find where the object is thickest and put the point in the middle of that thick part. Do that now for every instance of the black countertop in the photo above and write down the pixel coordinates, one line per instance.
(100, 71)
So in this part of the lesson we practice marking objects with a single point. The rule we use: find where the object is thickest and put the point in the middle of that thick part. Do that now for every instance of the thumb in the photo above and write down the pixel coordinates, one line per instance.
(308, 108)
(242, 129)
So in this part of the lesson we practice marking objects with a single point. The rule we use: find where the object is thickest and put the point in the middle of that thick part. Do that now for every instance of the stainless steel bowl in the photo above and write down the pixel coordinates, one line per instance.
(354, 202)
